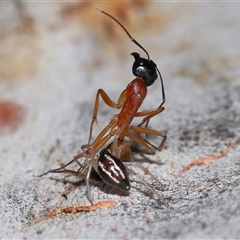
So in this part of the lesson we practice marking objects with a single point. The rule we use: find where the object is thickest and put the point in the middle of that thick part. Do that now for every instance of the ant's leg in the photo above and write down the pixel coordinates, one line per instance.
(143, 182)
(148, 115)
(143, 142)
(107, 101)
(150, 132)
(101, 138)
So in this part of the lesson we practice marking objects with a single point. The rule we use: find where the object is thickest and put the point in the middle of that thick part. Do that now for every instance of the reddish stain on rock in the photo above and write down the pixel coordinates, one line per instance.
(11, 115)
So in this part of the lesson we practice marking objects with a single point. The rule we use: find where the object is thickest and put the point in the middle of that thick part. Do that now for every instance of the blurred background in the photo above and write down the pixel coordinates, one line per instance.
(55, 55)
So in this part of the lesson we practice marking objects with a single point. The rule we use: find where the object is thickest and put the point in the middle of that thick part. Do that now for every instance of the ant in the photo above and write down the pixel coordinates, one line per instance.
(108, 162)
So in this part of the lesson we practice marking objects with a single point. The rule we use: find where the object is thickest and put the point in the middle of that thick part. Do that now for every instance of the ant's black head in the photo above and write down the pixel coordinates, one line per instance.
(144, 68)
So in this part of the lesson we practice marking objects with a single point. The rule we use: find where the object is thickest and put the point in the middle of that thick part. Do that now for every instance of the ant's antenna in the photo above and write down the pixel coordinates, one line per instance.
(139, 45)
(133, 40)
(163, 92)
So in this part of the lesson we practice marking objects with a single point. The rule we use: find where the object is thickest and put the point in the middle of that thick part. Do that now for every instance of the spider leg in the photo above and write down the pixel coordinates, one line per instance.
(146, 171)
(146, 184)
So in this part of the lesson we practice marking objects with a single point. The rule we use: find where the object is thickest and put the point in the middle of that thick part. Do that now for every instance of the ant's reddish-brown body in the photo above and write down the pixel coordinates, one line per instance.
(108, 162)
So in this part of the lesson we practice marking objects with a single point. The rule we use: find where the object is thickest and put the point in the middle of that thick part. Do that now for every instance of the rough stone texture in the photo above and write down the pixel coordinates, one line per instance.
(198, 55)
